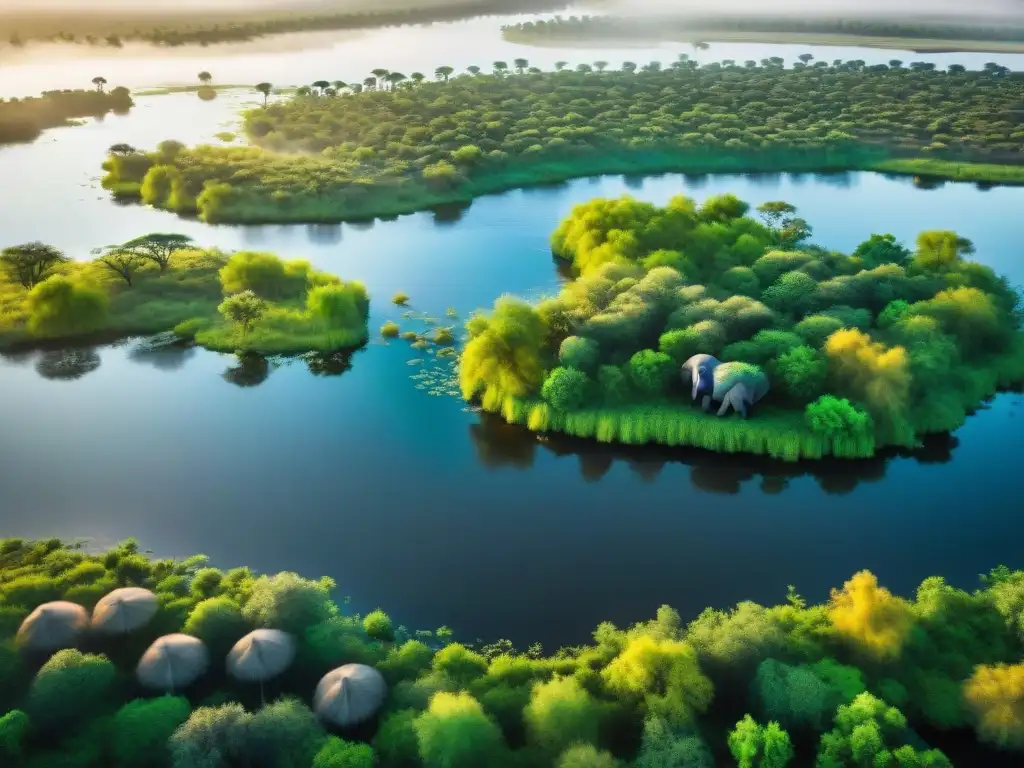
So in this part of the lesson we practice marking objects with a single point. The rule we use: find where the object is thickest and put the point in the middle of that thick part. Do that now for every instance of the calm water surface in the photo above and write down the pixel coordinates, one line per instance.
(415, 504)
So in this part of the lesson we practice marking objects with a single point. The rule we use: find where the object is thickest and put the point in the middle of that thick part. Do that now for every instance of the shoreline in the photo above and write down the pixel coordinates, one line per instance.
(553, 173)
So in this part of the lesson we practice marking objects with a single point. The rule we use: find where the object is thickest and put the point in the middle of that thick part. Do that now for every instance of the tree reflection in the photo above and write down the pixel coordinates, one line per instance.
(17, 356)
(451, 213)
(324, 234)
(165, 352)
(329, 363)
(499, 445)
(67, 364)
(250, 371)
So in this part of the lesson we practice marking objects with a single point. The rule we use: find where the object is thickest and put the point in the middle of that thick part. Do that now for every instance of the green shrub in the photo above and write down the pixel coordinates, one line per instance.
(390, 330)
(289, 602)
(14, 727)
(59, 306)
(377, 625)
(71, 687)
(614, 385)
(454, 732)
(580, 353)
(802, 372)
(401, 299)
(262, 273)
(651, 371)
(560, 714)
(338, 753)
(566, 388)
(142, 728)
(218, 622)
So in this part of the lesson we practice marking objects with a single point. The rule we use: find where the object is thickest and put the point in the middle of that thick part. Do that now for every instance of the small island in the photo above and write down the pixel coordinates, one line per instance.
(117, 660)
(397, 143)
(25, 119)
(837, 354)
(161, 282)
(920, 34)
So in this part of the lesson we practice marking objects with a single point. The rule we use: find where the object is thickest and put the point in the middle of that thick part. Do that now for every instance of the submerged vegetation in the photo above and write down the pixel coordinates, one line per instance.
(918, 34)
(246, 301)
(25, 119)
(863, 679)
(396, 144)
(872, 349)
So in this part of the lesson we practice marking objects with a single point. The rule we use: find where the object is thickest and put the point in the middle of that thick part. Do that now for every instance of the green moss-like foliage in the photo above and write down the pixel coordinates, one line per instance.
(142, 727)
(69, 688)
(159, 283)
(218, 622)
(455, 732)
(377, 625)
(658, 694)
(393, 149)
(856, 354)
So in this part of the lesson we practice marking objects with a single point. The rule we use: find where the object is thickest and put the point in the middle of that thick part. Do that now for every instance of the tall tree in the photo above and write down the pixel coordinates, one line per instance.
(473, 69)
(31, 263)
(205, 77)
(321, 85)
(443, 73)
(500, 67)
(520, 65)
(122, 261)
(265, 89)
(158, 247)
(99, 82)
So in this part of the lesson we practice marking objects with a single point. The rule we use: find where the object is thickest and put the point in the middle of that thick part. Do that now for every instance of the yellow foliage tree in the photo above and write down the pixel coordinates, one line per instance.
(872, 373)
(665, 673)
(871, 616)
(504, 356)
(996, 696)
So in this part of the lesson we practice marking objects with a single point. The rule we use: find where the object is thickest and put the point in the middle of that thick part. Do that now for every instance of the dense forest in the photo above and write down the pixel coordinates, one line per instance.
(867, 679)
(397, 142)
(208, 28)
(246, 301)
(25, 119)
(693, 27)
(855, 352)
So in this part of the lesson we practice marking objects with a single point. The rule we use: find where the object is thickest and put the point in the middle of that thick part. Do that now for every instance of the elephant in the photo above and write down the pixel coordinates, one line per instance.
(699, 371)
(735, 385)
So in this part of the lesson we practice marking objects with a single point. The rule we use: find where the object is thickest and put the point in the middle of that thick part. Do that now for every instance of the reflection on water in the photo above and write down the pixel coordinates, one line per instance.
(329, 363)
(249, 370)
(499, 445)
(67, 364)
(164, 352)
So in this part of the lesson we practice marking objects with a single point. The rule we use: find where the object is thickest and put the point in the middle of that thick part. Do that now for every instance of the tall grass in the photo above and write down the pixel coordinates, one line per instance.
(771, 432)
(952, 170)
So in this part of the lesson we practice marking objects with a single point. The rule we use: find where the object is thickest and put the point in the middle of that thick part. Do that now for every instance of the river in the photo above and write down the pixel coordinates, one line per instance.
(414, 503)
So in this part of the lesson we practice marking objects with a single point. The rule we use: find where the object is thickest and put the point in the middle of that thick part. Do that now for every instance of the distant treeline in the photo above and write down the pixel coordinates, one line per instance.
(207, 32)
(667, 26)
(25, 119)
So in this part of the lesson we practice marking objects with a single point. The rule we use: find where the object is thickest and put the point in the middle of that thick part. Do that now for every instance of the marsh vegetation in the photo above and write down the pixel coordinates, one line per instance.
(246, 301)
(26, 119)
(875, 348)
(398, 143)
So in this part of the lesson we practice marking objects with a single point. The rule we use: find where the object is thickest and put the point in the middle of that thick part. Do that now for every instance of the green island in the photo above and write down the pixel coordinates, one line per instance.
(395, 143)
(25, 119)
(871, 349)
(867, 678)
(245, 302)
(920, 35)
(208, 26)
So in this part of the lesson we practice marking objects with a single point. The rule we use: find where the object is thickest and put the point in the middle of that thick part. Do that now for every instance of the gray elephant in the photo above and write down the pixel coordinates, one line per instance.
(735, 385)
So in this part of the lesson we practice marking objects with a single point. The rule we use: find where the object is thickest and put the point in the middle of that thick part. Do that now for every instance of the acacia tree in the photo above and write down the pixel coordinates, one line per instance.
(520, 65)
(122, 150)
(99, 82)
(443, 73)
(321, 85)
(122, 261)
(31, 263)
(205, 77)
(500, 68)
(158, 247)
(473, 69)
(265, 89)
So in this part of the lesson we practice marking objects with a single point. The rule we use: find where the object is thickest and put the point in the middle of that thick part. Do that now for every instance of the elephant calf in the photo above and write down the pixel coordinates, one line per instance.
(735, 385)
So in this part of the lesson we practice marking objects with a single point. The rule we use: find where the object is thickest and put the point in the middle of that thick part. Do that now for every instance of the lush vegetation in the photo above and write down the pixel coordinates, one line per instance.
(396, 143)
(918, 34)
(856, 681)
(245, 301)
(875, 348)
(26, 119)
(199, 26)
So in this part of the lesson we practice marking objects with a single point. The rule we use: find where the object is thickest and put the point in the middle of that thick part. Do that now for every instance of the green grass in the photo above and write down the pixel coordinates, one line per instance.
(184, 299)
(953, 171)
(773, 432)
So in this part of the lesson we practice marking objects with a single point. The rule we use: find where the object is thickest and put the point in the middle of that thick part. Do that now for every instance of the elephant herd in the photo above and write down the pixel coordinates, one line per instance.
(735, 385)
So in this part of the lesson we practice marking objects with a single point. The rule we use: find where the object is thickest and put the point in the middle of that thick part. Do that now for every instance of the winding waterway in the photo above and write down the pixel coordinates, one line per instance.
(412, 502)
